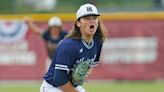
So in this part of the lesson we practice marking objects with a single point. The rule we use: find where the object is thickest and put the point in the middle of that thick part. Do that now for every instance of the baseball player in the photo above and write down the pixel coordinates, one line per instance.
(82, 44)
(52, 35)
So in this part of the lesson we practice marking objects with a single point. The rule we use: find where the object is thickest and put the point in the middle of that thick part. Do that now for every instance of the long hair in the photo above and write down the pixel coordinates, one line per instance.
(76, 34)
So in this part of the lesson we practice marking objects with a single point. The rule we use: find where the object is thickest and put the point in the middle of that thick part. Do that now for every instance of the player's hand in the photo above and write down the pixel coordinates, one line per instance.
(90, 71)
(27, 20)
(80, 89)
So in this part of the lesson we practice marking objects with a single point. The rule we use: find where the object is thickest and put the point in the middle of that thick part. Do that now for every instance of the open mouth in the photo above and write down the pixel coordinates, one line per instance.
(91, 26)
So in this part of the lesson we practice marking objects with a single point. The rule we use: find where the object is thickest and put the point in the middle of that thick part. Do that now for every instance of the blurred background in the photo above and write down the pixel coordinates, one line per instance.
(131, 58)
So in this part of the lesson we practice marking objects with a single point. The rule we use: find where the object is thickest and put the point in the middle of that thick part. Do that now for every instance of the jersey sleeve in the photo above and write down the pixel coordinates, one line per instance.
(63, 34)
(45, 35)
(65, 57)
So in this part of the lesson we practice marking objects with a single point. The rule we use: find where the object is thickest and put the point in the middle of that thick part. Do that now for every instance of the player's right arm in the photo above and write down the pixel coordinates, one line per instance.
(34, 28)
(68, 88)
(61, 80)
(64, 58)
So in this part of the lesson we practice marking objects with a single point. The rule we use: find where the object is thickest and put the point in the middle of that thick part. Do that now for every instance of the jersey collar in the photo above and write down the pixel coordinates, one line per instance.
(86, 45)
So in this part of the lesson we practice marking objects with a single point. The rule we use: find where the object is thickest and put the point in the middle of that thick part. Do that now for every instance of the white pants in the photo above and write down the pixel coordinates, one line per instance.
(46, 87)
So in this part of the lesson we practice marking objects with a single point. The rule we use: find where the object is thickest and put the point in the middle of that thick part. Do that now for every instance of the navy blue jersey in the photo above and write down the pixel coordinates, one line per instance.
(51, 42)
(47, 37)
(70, 52)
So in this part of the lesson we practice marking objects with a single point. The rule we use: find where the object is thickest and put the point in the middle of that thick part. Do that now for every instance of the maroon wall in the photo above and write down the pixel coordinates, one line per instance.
(121, 67)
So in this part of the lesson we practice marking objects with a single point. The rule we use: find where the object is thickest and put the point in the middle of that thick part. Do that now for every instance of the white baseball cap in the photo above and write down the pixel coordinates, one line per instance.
(86, 9)
(54, 21)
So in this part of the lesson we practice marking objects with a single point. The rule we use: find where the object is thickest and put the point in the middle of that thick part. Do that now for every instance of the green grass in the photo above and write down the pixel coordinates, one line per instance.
(125, 87)
(19, 87)
(92, 87)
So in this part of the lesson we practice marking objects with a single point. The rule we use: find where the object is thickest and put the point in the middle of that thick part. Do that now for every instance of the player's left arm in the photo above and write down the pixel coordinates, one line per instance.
(32, 26)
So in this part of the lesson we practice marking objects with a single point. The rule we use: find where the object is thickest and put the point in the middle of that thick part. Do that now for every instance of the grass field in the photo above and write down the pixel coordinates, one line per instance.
(92, 87)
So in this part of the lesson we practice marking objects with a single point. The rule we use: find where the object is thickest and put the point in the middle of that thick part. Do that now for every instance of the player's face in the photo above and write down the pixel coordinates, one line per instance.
(55, 31)
(88, 25)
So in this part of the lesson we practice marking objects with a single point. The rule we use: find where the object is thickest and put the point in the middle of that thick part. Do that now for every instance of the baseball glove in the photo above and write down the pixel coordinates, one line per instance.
(80, 73)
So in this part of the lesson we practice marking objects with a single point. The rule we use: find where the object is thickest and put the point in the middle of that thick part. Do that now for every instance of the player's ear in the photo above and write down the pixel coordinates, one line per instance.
(78, 23)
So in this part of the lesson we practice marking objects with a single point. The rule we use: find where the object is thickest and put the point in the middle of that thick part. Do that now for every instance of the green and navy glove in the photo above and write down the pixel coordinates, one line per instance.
(80, 73)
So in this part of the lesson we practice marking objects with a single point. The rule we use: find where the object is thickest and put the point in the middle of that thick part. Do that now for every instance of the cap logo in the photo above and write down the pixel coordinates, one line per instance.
(89, 9)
